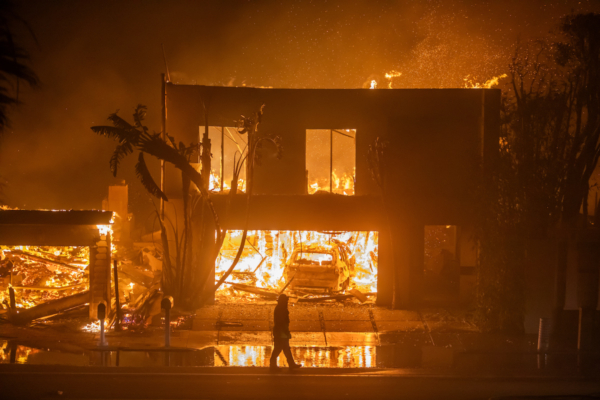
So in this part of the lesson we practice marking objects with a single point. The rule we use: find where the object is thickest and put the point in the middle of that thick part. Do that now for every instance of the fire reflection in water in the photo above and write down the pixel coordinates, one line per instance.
(308, 356)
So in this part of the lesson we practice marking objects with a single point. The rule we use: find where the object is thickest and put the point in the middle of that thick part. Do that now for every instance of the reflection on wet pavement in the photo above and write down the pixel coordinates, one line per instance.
(387, 356)
(309, 356)
(217, 356)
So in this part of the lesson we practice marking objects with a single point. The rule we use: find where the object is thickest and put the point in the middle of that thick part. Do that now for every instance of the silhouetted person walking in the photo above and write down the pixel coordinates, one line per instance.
(281, 334)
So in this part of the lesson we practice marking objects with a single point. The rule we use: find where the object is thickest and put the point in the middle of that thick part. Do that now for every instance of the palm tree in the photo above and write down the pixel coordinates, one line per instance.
(13, 70)
(136, 137)
(12, 67)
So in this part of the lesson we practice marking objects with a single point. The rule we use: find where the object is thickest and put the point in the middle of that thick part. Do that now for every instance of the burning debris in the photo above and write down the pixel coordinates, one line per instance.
(39, 274)
(306, 264)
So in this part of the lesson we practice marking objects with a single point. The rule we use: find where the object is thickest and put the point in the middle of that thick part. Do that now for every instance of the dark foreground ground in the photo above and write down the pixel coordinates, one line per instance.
(348, 353)
(27, 382)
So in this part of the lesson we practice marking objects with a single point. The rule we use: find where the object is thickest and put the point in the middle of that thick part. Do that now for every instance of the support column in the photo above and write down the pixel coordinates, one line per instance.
(385, 270)
(417, 261)
(402, 265)
(100, 269)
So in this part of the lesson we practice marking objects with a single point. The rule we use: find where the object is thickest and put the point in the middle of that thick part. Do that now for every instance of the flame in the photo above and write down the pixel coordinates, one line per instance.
(215, 184)
(390, 75)
(469, 84)
(39, 274)
(373, 84)
(92, 327)
(104, 229)
(265, 255)
(342, 184)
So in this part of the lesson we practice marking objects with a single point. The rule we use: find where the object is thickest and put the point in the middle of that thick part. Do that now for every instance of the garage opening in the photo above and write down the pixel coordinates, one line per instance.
(310, 266)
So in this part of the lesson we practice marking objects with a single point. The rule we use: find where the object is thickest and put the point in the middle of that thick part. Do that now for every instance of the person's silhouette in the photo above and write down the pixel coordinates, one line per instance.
(281, 334)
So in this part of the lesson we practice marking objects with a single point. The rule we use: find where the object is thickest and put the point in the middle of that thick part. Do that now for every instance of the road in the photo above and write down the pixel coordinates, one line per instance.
(113, 383)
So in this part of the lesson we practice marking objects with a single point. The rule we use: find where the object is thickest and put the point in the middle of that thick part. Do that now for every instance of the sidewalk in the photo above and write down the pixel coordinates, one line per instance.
(315, 325)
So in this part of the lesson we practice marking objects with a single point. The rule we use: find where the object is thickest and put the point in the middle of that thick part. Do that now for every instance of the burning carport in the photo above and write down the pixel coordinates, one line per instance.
(54, 259)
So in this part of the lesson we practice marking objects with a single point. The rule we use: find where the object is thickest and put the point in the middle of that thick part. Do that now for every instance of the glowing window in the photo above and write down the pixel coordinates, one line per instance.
(331, 160)
(226, 146)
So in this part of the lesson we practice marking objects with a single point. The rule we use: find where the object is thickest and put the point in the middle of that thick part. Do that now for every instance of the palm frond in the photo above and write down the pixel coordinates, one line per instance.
(171, 140)
(121, 151)
(111, 132)
(139, 115)
(13, 67)
(142, 172)
(119, 122)
(155, 146)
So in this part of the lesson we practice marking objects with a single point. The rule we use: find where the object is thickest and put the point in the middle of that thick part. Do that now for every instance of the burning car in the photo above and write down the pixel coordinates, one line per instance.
(319, 268)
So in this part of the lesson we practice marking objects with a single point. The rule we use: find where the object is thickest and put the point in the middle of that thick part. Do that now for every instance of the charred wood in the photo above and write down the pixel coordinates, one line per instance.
(359, 295)
(47, 260)
(138, 277)
(327, 298)
(51, 287)
(251, 289)
(49, 308)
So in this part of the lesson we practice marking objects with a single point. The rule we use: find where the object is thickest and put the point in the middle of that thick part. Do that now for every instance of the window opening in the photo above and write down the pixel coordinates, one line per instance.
(226, 147)
(331, 160)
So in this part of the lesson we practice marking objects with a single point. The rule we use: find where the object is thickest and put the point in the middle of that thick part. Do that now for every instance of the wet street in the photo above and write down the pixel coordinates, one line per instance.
(408, 356)
(259, 384)
(346, 353)
(233, 371)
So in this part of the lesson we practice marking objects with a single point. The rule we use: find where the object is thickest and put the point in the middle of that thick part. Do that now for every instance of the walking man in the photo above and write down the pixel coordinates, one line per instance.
(282, 335)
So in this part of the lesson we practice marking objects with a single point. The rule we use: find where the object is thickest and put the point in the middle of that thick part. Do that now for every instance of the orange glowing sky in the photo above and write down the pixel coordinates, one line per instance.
(94, 57)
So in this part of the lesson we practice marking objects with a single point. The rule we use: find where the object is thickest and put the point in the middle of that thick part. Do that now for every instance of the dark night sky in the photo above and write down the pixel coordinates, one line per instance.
(94, 57)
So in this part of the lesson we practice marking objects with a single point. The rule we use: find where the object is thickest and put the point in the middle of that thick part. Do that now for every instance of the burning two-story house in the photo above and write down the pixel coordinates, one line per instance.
(321, 196)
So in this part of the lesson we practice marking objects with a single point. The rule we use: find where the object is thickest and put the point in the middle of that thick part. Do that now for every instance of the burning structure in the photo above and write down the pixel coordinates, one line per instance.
(52, 260)
(316, 214)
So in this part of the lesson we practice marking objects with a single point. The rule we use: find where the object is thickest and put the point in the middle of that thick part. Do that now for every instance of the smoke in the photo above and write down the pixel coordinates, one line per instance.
(96, 57)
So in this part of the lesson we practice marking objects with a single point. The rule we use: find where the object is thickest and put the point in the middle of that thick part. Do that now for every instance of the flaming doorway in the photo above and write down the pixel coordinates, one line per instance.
(308, 265)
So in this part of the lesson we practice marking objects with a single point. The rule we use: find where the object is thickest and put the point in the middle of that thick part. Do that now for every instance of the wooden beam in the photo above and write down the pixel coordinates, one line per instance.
(22, 316)
(48, 235)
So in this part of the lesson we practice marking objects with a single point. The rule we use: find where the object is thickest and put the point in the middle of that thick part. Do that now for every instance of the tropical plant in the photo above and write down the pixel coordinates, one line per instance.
(549, 148)
(179, 279)
(136, 137)
(13, 58)
(251, 155)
